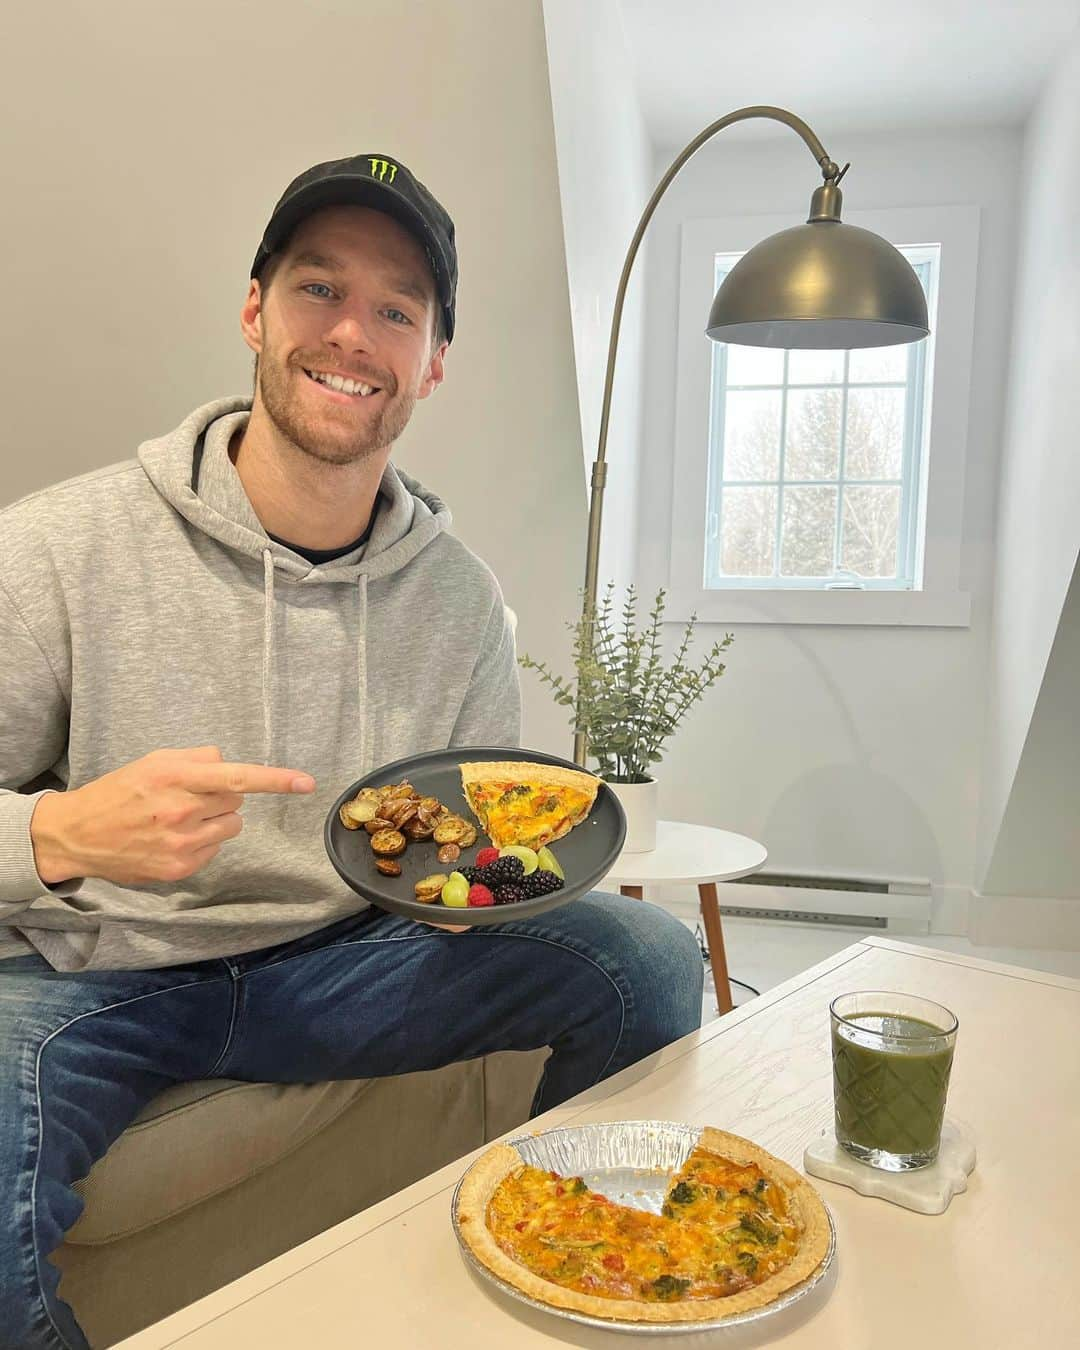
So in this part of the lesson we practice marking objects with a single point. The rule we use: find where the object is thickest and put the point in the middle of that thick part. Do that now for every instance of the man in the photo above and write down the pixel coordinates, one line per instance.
(260, 589)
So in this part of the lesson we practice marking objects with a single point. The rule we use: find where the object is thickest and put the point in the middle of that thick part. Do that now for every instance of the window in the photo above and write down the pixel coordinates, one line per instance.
(815, 486)
(814, 460)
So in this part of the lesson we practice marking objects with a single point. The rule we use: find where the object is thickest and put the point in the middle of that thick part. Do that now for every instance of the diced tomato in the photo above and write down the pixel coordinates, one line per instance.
(613, 1261)
(520, 1226)
(560, 1190)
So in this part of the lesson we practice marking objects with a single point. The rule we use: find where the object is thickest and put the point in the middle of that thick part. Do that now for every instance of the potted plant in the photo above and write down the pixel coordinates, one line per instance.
(627, 702)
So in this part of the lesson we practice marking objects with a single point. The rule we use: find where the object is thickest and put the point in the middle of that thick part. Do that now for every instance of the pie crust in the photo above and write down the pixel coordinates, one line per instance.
(803, 1202)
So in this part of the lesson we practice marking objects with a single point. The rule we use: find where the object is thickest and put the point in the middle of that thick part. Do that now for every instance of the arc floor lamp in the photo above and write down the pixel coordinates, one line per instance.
(818, 285)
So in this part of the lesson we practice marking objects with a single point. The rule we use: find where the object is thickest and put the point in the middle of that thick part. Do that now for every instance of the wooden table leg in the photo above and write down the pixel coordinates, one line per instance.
(714, 936)
(634, 892)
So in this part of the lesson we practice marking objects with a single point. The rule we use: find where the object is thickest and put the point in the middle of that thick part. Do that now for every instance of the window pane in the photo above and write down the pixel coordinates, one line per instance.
(812, 448)
(871, 522)
(809, 532)
(871, 364)
(755, 365)
(751, 435)
(747, 531)
(814, 367)
(875, 433)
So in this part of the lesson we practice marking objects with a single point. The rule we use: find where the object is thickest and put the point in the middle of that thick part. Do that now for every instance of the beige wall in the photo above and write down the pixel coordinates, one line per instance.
(145, 147)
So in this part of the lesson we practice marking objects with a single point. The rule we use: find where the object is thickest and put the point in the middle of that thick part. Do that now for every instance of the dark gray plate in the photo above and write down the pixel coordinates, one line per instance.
(586, 854)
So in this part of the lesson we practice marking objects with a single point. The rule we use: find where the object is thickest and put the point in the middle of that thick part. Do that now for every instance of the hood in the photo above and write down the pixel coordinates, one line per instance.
(190, 467)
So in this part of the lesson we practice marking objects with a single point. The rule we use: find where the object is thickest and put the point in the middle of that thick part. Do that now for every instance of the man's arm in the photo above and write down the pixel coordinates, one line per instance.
(33, 733)
(491, 711)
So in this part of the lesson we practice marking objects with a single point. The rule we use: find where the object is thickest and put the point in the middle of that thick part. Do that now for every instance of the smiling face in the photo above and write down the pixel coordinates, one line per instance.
(344, 327)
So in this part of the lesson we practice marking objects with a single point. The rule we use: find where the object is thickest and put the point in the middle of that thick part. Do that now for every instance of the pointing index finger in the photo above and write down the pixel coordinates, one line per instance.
(246, 778)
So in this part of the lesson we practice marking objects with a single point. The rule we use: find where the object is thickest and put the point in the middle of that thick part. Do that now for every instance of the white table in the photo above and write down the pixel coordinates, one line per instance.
(997, 1269)
(694, 855)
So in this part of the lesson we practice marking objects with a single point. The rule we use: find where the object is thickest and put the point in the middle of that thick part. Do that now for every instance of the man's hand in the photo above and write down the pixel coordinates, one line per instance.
(159, 818)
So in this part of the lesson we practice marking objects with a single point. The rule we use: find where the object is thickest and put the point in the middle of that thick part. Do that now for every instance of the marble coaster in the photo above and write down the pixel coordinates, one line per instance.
(927, 1190)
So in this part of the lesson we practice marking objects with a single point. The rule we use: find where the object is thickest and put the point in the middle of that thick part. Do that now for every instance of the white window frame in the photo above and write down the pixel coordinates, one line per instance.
(938, 602)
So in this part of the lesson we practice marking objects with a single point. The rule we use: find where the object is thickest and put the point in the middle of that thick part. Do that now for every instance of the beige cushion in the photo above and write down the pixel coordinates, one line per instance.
(195, 1140)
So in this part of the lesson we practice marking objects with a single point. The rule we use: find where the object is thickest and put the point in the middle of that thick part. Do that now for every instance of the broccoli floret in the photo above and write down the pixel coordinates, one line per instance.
(683, 1194)
(759, 1230)
(669, 1286)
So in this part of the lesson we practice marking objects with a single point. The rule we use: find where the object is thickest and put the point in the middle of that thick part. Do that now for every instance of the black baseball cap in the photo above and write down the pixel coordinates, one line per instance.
(384, 184)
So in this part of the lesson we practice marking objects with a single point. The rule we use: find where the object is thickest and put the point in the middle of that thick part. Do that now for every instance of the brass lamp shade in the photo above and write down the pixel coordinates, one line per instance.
(820, 285)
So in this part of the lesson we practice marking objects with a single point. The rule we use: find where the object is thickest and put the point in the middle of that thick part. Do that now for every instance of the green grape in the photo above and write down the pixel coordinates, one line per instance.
(456, 891)
(528, 858)
(547, 860)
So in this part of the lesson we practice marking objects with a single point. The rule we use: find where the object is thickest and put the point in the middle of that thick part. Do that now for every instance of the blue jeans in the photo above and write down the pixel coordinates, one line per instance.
(603, 981)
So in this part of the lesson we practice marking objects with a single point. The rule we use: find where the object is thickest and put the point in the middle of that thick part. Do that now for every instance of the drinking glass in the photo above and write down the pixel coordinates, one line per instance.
(892, 1055)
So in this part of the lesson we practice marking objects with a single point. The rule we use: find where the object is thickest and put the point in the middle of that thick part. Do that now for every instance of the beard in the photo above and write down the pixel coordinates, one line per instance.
(338, 434)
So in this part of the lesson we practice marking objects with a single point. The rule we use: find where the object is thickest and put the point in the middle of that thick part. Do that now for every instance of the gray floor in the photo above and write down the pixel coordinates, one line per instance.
(765, 952)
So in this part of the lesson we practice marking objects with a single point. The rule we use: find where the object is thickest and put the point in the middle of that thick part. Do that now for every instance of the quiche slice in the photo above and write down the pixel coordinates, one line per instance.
(532, 804)
(738, 1229)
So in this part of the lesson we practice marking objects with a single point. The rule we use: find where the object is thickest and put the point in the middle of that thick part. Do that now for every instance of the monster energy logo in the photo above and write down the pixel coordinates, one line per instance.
(381, 167)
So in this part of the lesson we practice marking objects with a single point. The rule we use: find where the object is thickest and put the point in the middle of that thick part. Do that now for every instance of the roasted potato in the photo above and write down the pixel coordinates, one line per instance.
(451, 830)
(449, 853)
(374, 826)
(345, 818)
(399, 810)
(416, 829)
(430, 888)
(388, 843)
(388, 867)
(360, 810)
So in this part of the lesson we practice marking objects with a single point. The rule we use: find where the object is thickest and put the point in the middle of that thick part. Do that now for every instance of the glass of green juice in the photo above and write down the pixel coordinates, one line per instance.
(892, 1055)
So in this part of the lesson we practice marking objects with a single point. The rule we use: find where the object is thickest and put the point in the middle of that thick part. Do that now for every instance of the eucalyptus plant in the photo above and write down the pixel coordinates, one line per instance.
(624, 698)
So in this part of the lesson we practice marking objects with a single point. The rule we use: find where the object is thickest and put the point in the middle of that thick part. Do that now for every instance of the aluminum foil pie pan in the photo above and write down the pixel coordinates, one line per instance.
(631, 1162)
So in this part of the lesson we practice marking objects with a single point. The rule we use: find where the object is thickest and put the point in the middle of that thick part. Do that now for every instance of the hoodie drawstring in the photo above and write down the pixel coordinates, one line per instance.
(268, 652)
(361, 675)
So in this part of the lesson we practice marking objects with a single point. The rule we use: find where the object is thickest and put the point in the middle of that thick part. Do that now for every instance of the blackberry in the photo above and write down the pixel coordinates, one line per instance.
(501, 872)
(509, 895)
(540, 882)
(469, 873)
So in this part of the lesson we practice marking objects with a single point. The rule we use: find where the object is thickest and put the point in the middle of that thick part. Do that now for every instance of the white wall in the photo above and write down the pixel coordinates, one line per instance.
(1039, 521)
(1037, 850)
(146, 146)
(843, 749)
(605, 179)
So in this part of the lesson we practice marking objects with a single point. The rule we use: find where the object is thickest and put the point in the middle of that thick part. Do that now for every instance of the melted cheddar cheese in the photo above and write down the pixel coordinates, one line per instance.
(724, 1228)
(520, 813)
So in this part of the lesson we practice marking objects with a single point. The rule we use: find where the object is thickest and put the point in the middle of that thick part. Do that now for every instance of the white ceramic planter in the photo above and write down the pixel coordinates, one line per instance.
(639, 802)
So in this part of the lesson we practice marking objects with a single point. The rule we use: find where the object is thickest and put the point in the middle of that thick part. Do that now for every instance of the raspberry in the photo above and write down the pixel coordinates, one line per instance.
(480, 895)
(509, 895)
(540, 882)
(485, 856)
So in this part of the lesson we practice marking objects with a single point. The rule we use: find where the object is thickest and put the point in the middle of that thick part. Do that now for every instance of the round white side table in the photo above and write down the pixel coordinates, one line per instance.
(694, 855)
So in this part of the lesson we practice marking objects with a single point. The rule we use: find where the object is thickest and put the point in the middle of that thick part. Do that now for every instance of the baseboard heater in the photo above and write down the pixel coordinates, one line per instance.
(896, 904)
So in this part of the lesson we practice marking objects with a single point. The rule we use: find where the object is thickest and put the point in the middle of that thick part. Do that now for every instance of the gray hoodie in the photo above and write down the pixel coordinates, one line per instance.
(143, 606)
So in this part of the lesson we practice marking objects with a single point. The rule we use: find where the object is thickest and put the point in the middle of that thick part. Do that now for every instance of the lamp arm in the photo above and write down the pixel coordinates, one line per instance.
(831, 173)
